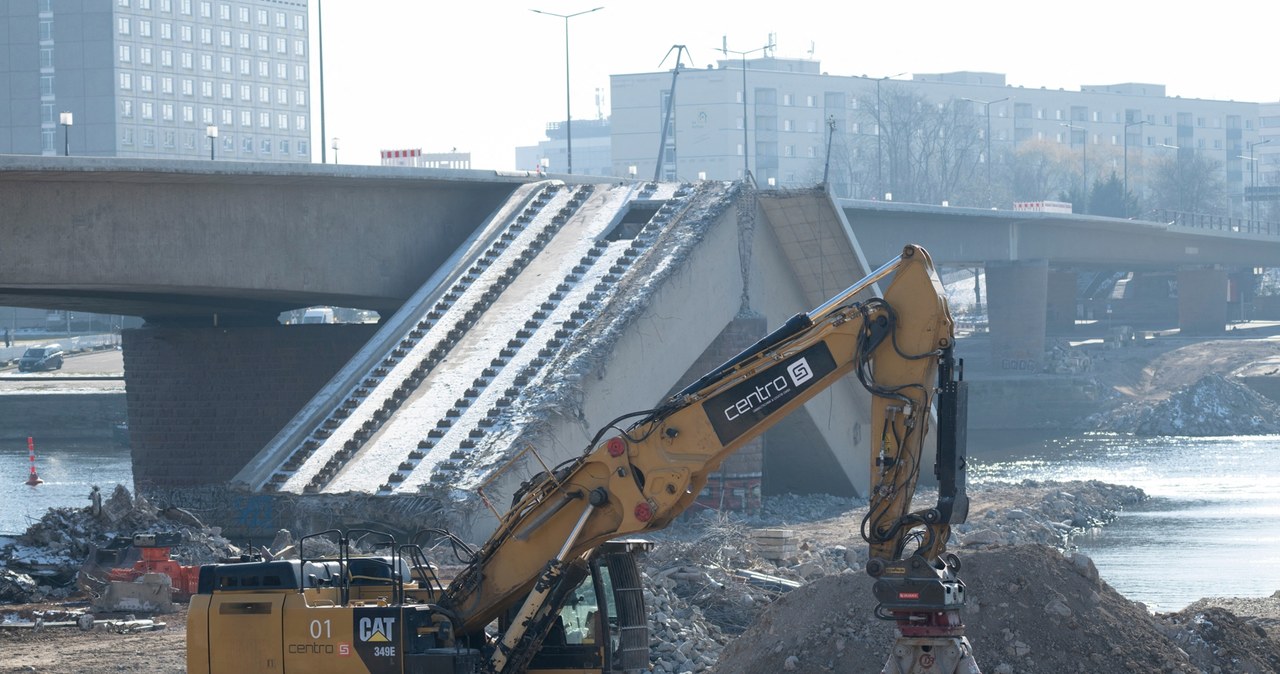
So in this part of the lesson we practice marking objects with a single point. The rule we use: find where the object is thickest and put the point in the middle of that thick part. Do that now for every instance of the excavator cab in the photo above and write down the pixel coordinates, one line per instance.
(601, 625)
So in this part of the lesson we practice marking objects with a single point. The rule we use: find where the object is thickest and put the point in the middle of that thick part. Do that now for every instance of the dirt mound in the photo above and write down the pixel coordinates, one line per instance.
(1031, 610)
(1214, 405)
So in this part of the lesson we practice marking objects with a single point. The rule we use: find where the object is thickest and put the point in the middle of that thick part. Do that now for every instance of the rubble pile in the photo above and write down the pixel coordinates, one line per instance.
(44, 561)
(1214, 405)
(709, 582)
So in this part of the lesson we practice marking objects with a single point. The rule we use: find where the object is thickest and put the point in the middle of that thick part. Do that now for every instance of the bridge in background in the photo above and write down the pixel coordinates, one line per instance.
(211, 252)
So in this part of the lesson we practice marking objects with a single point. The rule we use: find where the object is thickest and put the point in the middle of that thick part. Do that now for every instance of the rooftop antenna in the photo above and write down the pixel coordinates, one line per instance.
(813, 46)
(599, 103)
(773, 42)
(671, 103)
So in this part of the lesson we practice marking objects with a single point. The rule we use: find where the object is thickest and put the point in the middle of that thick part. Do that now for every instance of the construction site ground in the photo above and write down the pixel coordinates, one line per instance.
(1034, 605)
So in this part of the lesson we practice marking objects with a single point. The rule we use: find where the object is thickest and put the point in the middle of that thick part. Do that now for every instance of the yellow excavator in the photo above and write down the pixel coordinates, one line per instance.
(556, 587)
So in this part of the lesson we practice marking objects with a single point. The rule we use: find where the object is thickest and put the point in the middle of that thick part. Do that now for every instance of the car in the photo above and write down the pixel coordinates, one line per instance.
(37, 358)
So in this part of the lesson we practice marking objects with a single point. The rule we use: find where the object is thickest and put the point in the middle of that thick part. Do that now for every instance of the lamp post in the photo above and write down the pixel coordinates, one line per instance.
(568, 117)
(1253, 177)
(1084, 158)
(65, 119)
(211, 132)
(335, 149)
(1124, 198)
(746, 153)
(987, 105)
(879, 142)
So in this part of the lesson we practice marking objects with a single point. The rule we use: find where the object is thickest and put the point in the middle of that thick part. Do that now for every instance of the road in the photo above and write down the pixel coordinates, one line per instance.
(90, 363)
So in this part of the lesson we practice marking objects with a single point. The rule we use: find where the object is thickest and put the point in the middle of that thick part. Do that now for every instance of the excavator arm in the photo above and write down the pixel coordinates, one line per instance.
(643, 476)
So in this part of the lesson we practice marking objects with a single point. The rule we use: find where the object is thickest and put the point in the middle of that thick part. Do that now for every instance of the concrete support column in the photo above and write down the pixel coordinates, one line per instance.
(1060, 316)
(203, 401)
(736, 486)
(1202, 300)
(1017, 302)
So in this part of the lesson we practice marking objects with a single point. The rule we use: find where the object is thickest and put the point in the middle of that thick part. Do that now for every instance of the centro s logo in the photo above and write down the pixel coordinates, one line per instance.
(799, 372)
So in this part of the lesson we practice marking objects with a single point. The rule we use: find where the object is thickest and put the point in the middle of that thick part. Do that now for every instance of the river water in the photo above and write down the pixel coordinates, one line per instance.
(1211, 527)
(69, 473)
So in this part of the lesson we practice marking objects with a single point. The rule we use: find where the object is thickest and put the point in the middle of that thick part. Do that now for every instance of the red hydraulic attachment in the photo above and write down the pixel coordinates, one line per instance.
(156, 558)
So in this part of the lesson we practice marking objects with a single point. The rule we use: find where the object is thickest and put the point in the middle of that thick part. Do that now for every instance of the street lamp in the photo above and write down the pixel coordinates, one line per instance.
(65, 119)
(1253, 177)
(568, 117)
(724, 49)
(988, 104)
(211, 132)
(879, 142)
(335, 149)
(1084, 158)
(1124, 198)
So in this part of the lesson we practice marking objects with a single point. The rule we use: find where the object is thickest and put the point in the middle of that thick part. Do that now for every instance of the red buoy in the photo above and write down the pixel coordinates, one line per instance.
(33, 479)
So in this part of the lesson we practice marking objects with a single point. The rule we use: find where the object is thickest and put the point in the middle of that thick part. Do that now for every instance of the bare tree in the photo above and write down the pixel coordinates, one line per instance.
(1044, 170)
(1189, 182)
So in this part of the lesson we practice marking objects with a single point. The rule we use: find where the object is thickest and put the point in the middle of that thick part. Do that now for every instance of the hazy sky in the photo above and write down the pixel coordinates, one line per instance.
(485, 77)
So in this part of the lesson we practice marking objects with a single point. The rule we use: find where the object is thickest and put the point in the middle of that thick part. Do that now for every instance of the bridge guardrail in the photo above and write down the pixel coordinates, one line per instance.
(1219, 223)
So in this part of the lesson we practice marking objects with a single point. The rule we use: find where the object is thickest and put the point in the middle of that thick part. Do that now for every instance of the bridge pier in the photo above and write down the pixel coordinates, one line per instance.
(1202, 300)
(1060, 316)
(202, 401)
(1017, 306)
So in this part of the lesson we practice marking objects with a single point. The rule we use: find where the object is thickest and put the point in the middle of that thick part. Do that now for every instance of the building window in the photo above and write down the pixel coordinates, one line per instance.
(264, 120)
(166, 112)
(264, 94)
(244, 14)
(301, 123)
(124, 3)
(186, 33)
(810, 101)
(122, 26)
(299, 47)
(244, 66)
(224, 12)
(226, 90)
(282, 121)
(146, 83)
(225, 62)
(148, 110)
(206, 116)
(144, 55)
(206, 88)
(788, 125)
(206, 62)
(266, 146)
(299, 97)
(282, 46)
(166, 58)
(46, 58)
(166, 31)
(246, 118)
(302, 147)
(186, 60)
(300, 73)
(46, 85)
(246, 144)
(144, 4)
(284, 148)
(46, 31)
(245, 93)
(263, 44)
(126, 108)
(126, 137)
(264, 69)
(47, 139)
(189, 140)
(188, 114)
(206, 9)
(206, 36)
(148, 137)
(282, 71)
(282, 96)
(46, 113)
(126, 81)
(44, 6)
(228, 142)
(244, 40)
(298, 22)
(185, 6)
(224, 38)
(262, 17)
(280, 20)
(788, 150)
(166, 85)
(126, 54)
(226, 117)
(144, 28)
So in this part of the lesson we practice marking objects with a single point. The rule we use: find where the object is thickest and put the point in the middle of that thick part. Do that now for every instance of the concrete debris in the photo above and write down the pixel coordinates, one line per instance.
(1214, 405)
(43, 563)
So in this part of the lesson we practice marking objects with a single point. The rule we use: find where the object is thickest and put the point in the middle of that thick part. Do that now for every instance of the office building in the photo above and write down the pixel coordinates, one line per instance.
(181, 79)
